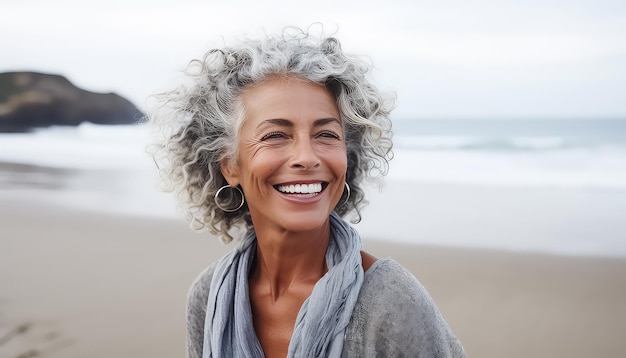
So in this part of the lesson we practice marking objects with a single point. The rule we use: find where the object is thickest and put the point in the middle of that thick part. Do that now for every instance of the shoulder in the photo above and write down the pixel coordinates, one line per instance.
(390, 290)
(395, 316)
(388, 280)
(199, 290)
(196, 311)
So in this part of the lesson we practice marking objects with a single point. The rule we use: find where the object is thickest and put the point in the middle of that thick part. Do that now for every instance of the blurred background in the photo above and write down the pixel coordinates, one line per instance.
(509, 176)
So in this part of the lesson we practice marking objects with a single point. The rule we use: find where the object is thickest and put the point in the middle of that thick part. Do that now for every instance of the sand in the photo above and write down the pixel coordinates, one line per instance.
(81, 284)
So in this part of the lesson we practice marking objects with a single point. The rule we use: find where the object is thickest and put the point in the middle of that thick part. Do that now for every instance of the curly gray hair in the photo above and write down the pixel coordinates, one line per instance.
(198, 123)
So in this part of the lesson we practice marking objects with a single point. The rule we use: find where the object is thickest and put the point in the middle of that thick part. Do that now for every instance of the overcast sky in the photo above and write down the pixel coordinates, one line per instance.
(445, 59)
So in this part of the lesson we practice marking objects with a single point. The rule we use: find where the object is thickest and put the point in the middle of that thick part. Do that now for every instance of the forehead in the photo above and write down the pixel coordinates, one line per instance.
(290, 98)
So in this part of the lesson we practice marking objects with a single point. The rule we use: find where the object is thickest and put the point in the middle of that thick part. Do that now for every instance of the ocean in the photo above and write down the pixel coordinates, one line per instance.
(539, 153)
(106, 168)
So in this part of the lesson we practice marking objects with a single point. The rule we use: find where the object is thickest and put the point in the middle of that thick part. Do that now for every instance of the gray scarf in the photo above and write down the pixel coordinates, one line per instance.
(323, 317)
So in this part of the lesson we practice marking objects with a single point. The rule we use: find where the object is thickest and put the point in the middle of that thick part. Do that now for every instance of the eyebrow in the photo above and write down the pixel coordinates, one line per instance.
(323, 121)
(287, 123)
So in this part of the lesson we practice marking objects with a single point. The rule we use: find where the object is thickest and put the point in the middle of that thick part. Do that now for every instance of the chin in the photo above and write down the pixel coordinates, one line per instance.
(305, 221)
(295, 220)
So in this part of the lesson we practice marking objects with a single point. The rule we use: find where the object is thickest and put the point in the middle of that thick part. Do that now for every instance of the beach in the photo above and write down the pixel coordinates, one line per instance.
(89, 283)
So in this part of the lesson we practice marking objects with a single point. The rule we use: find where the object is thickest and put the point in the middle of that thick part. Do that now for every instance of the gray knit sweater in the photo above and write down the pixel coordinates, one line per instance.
(394, 317)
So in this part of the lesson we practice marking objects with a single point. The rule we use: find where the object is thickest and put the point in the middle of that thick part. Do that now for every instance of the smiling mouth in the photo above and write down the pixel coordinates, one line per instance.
(302, 190)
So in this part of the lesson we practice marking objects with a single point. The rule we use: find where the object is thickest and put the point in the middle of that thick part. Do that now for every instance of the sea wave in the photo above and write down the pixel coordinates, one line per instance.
(573, 168)
(531, 161)
(87, 146)
(463, 143)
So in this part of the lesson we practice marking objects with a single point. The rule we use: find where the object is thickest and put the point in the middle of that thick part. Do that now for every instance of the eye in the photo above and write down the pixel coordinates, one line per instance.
(273, 135)
(328, 134)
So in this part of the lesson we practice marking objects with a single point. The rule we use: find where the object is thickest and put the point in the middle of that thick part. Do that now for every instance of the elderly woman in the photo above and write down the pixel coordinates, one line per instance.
(275, 136)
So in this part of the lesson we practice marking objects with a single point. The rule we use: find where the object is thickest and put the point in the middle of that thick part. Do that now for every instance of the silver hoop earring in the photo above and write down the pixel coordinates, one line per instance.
(347, 196)
(229, 199)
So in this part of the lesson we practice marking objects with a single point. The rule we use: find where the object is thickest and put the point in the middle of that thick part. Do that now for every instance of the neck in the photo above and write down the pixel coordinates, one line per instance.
(285, 260)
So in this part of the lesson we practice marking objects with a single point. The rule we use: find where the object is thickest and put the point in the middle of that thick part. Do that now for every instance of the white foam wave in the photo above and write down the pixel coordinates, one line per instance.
(87, 146)
(95, 147)
(480, 143)
(601, 168)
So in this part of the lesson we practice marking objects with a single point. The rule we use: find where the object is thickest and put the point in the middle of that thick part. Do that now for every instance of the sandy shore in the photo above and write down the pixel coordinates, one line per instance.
(77, 284)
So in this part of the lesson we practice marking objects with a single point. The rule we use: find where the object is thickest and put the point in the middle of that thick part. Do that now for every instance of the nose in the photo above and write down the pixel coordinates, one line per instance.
(303, 154)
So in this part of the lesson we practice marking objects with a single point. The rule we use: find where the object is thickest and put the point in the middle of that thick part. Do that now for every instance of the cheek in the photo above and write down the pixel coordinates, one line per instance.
(340, 161)
(337, 159)
(262, 165)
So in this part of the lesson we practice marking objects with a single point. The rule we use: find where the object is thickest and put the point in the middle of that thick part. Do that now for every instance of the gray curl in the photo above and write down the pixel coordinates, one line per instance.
(198, 123)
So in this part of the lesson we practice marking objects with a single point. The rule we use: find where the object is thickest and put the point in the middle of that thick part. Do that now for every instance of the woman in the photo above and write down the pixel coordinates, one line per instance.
(276, 136)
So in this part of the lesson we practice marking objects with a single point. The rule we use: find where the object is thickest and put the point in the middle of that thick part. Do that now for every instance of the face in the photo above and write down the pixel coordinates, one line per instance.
(292, 156)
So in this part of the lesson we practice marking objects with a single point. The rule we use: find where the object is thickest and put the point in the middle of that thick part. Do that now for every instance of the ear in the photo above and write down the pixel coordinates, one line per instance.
(230, 171)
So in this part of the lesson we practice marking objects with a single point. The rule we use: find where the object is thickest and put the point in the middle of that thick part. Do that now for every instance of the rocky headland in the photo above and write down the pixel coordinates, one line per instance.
(31, 100)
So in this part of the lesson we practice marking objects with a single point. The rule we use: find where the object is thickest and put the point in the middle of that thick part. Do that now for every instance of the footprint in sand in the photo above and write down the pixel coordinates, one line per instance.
(30, 340)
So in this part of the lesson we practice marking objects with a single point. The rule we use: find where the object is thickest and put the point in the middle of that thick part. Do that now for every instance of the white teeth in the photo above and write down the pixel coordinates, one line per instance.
(301, 188)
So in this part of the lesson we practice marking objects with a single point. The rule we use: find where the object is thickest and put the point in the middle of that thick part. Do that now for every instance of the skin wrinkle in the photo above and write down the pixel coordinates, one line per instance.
(290, 134)
(205, 114)
(275, 112)
(251, 148)
(377, 328)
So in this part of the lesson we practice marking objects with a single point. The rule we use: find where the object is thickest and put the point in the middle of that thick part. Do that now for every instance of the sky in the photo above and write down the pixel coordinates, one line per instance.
(444, 59)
